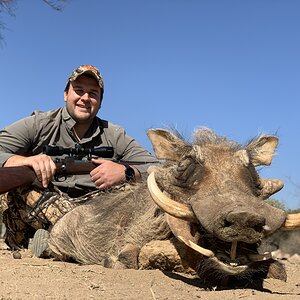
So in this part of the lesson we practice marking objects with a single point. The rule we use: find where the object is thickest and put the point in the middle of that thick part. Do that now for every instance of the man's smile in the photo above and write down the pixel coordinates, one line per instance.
(83, 107)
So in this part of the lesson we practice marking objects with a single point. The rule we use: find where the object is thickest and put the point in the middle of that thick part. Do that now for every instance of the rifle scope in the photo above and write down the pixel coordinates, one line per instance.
(104, 152)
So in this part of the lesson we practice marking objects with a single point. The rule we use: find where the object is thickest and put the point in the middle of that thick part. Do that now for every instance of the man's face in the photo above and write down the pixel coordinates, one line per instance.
(83, 99)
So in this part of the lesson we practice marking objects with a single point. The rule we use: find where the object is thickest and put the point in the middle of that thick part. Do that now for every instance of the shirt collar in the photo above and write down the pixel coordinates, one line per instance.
(69, 121)
(92, 131)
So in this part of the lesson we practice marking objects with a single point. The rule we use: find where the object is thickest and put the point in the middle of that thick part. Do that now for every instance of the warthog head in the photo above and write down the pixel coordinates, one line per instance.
(214, 197)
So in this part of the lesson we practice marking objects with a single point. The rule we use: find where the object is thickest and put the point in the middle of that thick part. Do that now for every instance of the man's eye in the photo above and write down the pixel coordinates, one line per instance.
(93, 94)
(78, 91)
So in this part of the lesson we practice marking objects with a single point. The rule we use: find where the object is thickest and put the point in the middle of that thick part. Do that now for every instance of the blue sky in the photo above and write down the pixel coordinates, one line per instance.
(233, 66)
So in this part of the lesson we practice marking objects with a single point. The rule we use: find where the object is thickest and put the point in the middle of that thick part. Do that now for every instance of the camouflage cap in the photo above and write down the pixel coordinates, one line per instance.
(85, 69)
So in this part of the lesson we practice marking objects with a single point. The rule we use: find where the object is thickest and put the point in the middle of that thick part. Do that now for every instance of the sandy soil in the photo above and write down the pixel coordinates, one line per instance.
(36, 278)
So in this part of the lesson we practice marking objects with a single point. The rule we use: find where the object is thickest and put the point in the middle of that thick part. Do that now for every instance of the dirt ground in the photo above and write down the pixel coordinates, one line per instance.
(37, 278)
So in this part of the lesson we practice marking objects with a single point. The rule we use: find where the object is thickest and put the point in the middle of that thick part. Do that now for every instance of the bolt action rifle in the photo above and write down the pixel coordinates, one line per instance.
(73, 164)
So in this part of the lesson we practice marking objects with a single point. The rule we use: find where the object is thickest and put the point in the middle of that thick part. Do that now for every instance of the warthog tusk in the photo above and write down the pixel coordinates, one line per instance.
(182, 231)
(267, 229)
(229, 269)
(197, 248)
(233, 250)
(292, 222)
(260, 257)
(174, 208)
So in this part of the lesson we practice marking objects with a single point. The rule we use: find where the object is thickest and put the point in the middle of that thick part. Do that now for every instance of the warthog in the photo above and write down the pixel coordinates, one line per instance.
(208, 205)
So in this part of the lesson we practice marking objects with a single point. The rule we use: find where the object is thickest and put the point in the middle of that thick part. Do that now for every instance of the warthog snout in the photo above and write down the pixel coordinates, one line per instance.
(242, 226)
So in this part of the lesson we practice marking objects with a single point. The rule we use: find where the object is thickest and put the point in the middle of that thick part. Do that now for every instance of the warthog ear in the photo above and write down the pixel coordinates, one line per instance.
(165, 144)
(262, 149)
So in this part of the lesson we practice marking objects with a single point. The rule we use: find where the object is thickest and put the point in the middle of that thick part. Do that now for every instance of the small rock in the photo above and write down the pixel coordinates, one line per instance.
(294, 259)
(17, 255)
(279, 254)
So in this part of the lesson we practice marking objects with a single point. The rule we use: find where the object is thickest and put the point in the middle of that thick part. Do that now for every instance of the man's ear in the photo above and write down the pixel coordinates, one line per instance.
(65, 96)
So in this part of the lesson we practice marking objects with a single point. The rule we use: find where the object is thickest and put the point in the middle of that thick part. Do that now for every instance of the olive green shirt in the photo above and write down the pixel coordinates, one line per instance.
(28, 137)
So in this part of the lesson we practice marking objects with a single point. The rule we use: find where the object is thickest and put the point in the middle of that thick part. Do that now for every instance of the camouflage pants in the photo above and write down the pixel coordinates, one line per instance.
(26, 210)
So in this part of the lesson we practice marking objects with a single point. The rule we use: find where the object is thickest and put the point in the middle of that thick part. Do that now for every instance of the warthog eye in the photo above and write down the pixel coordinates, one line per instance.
(188, 172)
(184, 168)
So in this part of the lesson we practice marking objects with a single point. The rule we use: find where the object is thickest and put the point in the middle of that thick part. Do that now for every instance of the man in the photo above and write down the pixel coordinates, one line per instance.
(21, 144)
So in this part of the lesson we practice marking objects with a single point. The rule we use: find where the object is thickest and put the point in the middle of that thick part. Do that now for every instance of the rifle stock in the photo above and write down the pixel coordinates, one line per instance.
(14, 177)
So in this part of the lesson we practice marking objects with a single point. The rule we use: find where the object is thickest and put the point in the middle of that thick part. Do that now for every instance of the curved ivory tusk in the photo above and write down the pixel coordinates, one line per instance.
(182, 231)
(260, 257)
(174, 208)
(199, 249)
(292, 222)
(230, 270)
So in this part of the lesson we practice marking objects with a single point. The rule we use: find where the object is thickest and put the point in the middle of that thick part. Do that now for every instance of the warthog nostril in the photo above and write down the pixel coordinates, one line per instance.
(227, 223)
(244, 219)
(258, 227)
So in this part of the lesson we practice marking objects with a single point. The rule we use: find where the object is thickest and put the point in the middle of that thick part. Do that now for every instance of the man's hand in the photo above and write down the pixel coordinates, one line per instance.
(42, 164)
(108, 173)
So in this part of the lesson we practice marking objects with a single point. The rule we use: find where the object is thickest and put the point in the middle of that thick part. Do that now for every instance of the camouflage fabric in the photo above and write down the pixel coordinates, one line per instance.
(84, 69)
(15, 217)
(25, 210)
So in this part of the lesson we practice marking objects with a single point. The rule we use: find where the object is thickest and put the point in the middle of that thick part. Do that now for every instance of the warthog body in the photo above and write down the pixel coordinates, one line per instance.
(214, 211)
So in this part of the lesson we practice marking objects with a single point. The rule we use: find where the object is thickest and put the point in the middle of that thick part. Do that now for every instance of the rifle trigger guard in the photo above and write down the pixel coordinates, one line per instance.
(61, 177)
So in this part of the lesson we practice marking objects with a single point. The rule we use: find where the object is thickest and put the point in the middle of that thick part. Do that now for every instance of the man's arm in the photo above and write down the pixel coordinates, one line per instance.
(109, 173)
(16, 140)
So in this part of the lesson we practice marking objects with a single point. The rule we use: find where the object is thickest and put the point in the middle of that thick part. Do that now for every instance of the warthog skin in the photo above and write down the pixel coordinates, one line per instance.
(214, 177)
